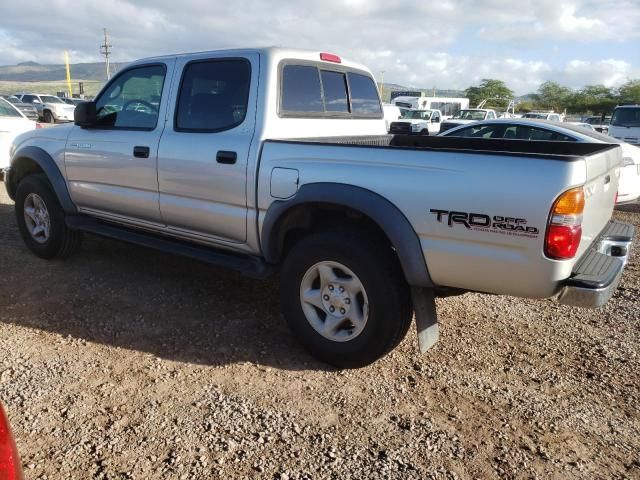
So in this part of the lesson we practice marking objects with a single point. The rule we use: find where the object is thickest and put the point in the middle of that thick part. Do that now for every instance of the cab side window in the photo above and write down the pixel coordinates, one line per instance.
(214, 95)
(132, 100)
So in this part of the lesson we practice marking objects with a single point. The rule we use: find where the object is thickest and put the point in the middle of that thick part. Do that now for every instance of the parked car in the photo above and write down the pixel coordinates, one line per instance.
(12, 123)
(551, 116)
(469, 115)
(10, 466)
(51, 109)
(27, 109)
(420, 122)
(625, 124)
(599, 123)
(268, 162)
(542, 130)
(391, 114)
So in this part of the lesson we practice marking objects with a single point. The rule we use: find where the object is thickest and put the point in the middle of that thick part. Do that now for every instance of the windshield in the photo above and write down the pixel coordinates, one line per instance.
(416, 114)
(626, 117)
(471, 115)
(7, 110)
(50, 99)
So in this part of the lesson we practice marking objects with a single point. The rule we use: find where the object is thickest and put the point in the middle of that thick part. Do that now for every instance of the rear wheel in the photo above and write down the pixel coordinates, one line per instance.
(344, 297)
(41, 219)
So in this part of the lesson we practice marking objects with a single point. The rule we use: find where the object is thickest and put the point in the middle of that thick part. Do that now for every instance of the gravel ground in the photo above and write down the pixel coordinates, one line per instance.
(126, 363)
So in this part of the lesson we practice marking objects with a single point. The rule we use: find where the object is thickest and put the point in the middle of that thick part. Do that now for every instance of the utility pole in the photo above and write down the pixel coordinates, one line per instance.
(105, 50)
(381, 83)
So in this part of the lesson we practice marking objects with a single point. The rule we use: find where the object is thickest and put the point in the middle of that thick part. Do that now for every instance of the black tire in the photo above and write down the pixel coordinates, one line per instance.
(62, 241)
(424, 133)
(48, 117)
(376, 266)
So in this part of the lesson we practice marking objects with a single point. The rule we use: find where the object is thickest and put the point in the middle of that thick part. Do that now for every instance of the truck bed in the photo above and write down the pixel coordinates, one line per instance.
(480, 178)
(567, 151)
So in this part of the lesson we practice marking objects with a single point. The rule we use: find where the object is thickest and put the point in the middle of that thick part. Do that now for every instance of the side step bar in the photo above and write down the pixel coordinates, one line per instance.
(248, 265)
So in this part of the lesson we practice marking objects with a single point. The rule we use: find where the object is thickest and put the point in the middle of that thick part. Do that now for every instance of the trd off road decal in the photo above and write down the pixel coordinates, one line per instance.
(486, 223)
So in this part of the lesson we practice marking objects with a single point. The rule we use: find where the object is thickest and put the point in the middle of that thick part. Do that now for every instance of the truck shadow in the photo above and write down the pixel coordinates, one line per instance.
(130, 297)
(629, 208)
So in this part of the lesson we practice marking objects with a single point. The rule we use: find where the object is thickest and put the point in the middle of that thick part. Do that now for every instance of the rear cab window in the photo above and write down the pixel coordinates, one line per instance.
(317, 90)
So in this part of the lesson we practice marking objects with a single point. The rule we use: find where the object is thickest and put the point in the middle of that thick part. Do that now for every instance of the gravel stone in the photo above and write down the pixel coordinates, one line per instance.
(122, 362)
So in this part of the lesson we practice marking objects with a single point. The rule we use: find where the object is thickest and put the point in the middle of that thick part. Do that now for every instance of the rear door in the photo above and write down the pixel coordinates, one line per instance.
(112, 167)
(203, 153)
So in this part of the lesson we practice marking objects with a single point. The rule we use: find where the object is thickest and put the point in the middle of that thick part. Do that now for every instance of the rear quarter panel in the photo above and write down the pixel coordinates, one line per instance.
(492, 260)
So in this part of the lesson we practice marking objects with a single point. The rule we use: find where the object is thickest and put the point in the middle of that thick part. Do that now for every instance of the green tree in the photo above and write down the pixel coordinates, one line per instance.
(489, 89)
(592, 99)
(554, 96)
(630, 92)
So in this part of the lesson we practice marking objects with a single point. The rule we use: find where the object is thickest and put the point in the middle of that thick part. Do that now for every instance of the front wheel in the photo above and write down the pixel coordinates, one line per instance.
(41, 220)
(48, 117)
(344, 297)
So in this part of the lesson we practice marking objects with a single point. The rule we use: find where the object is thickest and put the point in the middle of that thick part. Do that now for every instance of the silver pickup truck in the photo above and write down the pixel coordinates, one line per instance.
(276, 160)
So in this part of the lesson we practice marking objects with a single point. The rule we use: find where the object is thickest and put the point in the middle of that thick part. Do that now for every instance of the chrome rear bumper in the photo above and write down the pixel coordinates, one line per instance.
(597, 274)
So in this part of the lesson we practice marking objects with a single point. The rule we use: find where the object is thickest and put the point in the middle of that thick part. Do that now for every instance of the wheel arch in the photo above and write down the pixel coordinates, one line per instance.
(281, 219)
(29, 160)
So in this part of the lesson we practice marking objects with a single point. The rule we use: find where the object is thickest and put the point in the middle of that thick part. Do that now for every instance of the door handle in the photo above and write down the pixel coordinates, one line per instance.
(226, 157)
(141, 152)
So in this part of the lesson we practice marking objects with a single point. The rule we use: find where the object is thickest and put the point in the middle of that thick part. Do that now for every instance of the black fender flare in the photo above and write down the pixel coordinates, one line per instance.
(51, 170)
(384, 213)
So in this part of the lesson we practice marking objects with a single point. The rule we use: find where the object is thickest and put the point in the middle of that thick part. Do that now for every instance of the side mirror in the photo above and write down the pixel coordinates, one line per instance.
(36, 101)
(435, 120)
(85, 114)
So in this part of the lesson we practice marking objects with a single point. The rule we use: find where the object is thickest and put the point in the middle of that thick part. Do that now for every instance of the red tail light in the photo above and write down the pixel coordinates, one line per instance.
(563, 241)
(564, 231)
(330, 57)
(10, 468)
(38, 125)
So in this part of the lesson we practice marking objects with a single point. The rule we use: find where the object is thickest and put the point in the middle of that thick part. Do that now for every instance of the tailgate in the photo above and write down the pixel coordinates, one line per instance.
(603, 172)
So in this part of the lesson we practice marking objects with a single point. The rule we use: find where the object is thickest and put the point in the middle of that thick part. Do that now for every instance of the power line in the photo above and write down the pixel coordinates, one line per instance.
(105, 50)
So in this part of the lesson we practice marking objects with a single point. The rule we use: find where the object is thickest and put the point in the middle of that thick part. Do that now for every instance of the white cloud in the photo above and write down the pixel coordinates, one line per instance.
(609, 72)
(413, 42)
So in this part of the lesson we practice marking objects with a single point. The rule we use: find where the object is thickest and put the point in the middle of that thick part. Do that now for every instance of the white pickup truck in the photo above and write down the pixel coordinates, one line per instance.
(467, 116)
(277, 160)
(420, 122)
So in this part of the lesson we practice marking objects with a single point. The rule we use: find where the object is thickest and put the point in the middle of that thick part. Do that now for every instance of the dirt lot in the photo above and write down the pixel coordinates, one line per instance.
(127, 363)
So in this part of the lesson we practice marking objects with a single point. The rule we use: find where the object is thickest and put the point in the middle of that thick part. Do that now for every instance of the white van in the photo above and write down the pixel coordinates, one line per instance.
(625, 124)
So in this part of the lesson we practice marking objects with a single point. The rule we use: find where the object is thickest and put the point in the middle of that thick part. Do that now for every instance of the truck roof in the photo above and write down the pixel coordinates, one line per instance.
(276, 53)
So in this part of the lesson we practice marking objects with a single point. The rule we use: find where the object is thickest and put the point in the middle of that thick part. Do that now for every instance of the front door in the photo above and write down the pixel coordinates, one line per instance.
(112, 167)
(203, 154)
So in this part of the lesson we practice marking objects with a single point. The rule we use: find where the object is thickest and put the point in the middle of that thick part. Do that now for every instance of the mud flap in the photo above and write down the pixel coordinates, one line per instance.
(424, 306)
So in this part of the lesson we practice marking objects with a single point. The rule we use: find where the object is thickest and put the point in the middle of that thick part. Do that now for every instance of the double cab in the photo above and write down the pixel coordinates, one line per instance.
(278, 161)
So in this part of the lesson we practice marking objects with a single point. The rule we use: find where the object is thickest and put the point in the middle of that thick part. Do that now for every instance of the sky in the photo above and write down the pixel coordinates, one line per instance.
(447, 44)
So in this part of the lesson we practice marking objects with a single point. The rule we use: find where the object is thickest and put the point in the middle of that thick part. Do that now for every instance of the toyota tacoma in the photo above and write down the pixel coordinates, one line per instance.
(277, 160)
